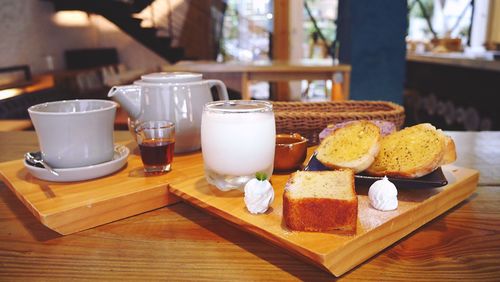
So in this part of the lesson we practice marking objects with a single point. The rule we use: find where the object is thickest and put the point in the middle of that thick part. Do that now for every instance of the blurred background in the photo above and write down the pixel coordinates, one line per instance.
(438, 58)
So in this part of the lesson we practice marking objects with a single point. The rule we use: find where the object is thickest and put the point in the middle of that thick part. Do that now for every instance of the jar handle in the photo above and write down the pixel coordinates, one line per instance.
(221, 88)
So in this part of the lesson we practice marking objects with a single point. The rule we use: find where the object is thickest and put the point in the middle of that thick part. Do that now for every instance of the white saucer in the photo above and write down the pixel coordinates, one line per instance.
(83, 173)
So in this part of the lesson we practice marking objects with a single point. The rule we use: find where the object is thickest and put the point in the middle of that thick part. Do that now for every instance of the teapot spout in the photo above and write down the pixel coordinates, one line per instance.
(129, 97)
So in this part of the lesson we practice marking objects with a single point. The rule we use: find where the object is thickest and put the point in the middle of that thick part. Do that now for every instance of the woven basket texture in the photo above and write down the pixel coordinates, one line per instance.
(310, 118)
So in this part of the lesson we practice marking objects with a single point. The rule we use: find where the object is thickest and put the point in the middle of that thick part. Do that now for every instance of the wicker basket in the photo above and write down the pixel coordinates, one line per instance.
(309, 119)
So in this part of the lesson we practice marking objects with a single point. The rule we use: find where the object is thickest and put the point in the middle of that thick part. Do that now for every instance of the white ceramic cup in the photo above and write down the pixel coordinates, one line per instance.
(75, 133)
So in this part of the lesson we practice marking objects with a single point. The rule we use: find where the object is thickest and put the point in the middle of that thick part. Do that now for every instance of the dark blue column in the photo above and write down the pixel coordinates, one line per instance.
(372, 34)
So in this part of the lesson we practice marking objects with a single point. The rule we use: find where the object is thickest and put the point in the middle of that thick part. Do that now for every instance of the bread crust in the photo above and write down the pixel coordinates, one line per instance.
(450, 153)
(320, 214)
(357, 165)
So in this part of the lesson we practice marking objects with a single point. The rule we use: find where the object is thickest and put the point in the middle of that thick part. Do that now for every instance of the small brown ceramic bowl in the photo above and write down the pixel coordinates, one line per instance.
(290, 152)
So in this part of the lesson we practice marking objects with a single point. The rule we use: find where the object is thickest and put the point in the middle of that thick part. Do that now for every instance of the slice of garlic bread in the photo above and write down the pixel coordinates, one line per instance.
(413, 152)
(353, 146)
(450, 154)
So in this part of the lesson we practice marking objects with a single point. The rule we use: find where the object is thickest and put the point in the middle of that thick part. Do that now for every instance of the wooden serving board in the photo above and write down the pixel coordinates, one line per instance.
(74, 206)
(335, 253)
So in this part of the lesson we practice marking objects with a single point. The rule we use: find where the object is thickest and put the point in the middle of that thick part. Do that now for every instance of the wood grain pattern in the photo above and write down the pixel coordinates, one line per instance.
(281, 46)
(333, 252)
(183, 243)
(14, 124)
(276, 66)
(74, 206)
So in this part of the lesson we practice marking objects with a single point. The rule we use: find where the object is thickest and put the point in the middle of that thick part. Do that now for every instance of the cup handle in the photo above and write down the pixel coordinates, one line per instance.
(221, 88)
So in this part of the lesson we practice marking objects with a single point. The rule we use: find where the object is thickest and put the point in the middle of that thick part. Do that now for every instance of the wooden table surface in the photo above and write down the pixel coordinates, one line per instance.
(239, 75)
(182, 243)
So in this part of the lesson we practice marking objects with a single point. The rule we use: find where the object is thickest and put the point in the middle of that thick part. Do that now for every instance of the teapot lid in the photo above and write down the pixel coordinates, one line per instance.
(170, 77)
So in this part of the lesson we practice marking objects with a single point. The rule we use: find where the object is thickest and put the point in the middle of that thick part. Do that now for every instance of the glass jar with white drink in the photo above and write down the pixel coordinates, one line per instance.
(238, 140)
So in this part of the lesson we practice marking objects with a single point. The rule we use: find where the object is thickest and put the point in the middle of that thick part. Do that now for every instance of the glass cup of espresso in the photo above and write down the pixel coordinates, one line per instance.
(156, 141)
(237, 141)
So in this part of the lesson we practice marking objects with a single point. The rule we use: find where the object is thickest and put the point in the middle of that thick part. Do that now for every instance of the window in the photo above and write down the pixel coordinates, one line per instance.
(430, 20)
(246, 30)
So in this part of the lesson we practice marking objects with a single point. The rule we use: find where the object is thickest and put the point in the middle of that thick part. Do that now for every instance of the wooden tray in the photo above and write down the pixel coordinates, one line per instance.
(74, 206)
(335, 253)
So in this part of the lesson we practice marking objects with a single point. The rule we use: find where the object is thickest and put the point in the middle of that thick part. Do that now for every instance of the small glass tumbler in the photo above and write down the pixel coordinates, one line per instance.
(237, 141)
(156, 141)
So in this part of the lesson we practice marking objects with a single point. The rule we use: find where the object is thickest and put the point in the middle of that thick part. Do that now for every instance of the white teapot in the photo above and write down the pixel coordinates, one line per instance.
(176, 96)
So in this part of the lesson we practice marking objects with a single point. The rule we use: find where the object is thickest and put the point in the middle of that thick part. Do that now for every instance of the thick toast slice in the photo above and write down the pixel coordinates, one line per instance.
(321, 201)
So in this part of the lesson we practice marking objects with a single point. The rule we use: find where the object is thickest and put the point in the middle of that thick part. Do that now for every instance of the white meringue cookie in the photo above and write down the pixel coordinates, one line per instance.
(383, 195)
(259, 194)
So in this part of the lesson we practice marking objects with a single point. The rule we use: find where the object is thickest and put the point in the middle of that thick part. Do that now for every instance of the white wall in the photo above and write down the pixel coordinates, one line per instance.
(28, 35)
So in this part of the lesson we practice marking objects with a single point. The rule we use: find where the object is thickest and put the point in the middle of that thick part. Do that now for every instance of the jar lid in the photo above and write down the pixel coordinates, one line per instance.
(169, 77)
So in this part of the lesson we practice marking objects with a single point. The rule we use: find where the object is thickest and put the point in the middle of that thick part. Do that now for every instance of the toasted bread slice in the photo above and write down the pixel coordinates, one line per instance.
(321, 201)
(413, 152)
(353, 146)
(450, 154)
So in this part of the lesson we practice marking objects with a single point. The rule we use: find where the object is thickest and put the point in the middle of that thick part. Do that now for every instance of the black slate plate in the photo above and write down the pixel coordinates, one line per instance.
(434, 179)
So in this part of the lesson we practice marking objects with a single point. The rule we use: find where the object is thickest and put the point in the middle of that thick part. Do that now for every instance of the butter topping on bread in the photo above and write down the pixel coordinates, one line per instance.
(353, 146)
(413, 152)
(321, 201)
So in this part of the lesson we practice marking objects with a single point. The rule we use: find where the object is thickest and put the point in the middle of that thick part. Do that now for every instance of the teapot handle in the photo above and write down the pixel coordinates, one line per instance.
(221, 88)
